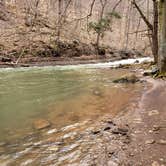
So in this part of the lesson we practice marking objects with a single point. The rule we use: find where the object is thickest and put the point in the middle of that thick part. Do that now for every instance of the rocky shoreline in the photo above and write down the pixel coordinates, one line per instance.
(66, 59)
(134, 137)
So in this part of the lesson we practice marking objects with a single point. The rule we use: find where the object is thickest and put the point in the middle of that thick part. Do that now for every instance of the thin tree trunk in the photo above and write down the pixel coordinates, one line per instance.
(155, 32)
(59, 19)
(162, 50)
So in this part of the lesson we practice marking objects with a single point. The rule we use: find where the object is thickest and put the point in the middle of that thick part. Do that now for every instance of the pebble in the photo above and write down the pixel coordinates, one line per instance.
(69, 135)
(107, 128)
(153, 112)
(155, 163)
(111, 163)
(52, 131)
(151, 141)
(162, 142)
(27, 162)
(95, 132)
(156, 128)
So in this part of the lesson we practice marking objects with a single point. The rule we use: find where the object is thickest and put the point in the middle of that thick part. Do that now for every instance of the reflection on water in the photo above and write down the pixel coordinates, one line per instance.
(62, 97)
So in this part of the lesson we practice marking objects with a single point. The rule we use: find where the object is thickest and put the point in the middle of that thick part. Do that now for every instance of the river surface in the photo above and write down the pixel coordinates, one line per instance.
(62, 96)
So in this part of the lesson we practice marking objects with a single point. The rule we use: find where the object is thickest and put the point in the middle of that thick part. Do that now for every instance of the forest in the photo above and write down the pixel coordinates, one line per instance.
(82, 82)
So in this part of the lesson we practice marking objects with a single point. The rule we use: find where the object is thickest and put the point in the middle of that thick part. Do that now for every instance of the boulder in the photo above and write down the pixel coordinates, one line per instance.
(131, 78)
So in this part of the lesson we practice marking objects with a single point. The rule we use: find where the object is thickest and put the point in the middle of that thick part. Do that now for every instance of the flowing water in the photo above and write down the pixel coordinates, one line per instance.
(62, 96)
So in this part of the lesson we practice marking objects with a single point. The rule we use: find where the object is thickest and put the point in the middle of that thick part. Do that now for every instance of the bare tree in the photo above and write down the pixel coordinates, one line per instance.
(152, 27)
(162, 51)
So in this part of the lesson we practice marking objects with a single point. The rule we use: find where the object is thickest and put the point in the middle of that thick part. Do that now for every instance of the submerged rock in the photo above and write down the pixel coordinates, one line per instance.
(41, 124)
(153, 112)
(131, 78)
(151, 141)
(162, 142)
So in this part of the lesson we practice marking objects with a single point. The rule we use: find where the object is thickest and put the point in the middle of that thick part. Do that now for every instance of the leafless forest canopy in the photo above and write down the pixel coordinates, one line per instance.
(25, 23)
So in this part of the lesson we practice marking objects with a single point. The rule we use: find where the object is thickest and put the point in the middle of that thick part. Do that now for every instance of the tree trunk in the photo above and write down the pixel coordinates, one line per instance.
(59, 20)
(155, 32)
(152, 27)
(162, 43)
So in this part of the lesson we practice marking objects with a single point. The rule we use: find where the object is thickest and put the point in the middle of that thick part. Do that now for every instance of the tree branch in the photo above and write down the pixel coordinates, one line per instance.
(150, 26)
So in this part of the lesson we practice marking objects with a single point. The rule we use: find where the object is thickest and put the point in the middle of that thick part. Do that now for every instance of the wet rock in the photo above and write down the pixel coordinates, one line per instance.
(156, 128)
(122, 131)
(53, 149)
(5, 59)
(96, 132)
(131, 154)
(2, 144)
(69, 135)
(127, 140)
(70, 127)
(41, 124)
(151, 141)
(27, 162)
(162, 142)
(107, 128)
(101, 51)
(137, 61)
(155, 163)
(131, 78)
(111, 163)
(71, 156)
(69, 148)
(153, 112)
(111, 123)
(52, 131)
(151, 72)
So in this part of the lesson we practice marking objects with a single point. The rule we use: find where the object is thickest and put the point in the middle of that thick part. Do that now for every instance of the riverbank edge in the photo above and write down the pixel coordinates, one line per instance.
(63, 62)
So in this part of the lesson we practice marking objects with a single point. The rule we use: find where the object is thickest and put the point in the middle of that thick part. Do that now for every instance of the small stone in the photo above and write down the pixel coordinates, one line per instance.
(150, 131)
(151, 141)
(52, 131)
(122, 131)
(153, 112)
(70, 135)
(147, 73)
(156, 128)
(162, 142)
(107, 128)
(95, 132)
(2, 144)
(55, 149)
(111, 163)
(111, 123)
(41, 124)
(155, 163)
(131, 154)
(137, 61)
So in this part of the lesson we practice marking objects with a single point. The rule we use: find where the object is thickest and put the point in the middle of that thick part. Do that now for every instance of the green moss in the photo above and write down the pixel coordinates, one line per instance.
(160, 75)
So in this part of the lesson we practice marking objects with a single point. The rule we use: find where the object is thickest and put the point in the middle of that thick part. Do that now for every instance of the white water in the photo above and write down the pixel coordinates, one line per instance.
(82, 66)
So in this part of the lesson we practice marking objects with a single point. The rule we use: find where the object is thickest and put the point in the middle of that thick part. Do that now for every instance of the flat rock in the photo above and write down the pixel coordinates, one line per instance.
(41, 124)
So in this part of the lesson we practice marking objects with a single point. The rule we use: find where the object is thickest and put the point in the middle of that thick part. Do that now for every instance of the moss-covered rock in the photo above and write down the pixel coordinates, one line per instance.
(130, 78)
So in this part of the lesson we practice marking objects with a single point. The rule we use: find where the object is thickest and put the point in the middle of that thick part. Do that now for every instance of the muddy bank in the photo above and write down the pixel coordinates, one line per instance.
(63, 53)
